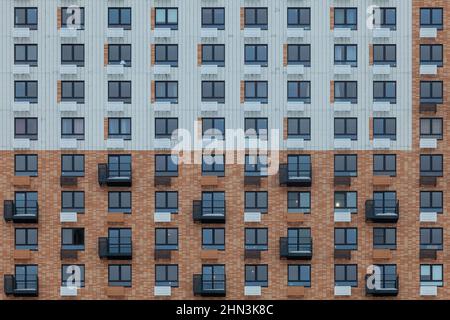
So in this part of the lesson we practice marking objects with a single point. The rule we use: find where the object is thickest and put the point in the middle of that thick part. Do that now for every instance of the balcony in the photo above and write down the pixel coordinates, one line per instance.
(115, 248)
(387, 286)
(21, 288)
(113, 178)
(295, 178)
(208, 215)
(296, 248)
(209, 286)
(21, 211)
(383, 214)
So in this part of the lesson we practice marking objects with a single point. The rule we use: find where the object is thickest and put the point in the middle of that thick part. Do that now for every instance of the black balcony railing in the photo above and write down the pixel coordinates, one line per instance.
(113, 178)
(208, 214)
(28, 287)
(386, 286)
(115, 248)
(301, 177)
(21, 211)
(296, 248)
(208, 285)
(385, 211)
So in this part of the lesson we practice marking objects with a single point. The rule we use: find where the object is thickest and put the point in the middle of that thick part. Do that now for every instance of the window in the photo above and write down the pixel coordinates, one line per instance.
(256, 165)
(299, 166)
(166, 91)
(72, 239)
(72, 201)
(26, 277)
(26, 54)
(256, 128)
(299, 91)
(166, 54)
(432, 54)
(72, 165)
(431, 18)
(385, 18)
(26, 203)
(431, 275)
(166, 239)
(119, 128)
(73, 54)
(346, 54)
(256, 91)
(166, 201)
(431, 92)
(26, 128)
(26, 238)
(346, 91)
(119, 166)
(72, 91)
(69, 274)
(256, 238)
(431, 128)
(346, 128)
(119, 91)
(299, 239)
(213, 91)
(213, 54)
(345, 165)
(384, 165)
(255, 18)
(213, 203)
(166, 275)
(299, 128)
(119, 201)
(346, 275)
(119, 240)
(385, 202)
(26, 91)
(69, 20)
(299, 54)
(385, 54)
(26, 165)
(346, 238)
(213, 18)
(431, 201)
(72, 128)
(213, 239)
(256, 201)
(26, 18)
(119, 18)
(213, 128)
(166, 18)
(431, 165)
(213, 165)
(166, 165)
(256, 275)
(213, 277)
(299, 18)
(256, 54)
(431, 238)
(165, 127)
(384, 238)
(299, 275)
(119, 275)
(385, 128)
(346, 18)
(299, 202)
(385, 91)
(346, 201)
(119, 54)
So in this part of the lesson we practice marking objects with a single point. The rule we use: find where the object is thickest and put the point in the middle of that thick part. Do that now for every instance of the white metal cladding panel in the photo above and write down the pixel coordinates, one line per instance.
(188, 73)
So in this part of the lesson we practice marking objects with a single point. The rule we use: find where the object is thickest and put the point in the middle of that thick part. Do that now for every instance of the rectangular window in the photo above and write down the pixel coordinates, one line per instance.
(385, 202)
(385, 18)
(26, 54)
(213, 128)
(431, 238)
(299, 54)
(299, 202)
(26, 91)
(119, 54)
(213, 239)
(299, 128)
(119, 91)
(166, 239)
(73, 54)
(166, 91)
(346, 91)
(346, 18)
(68, 18)
(166, 54)
(26, 165)
(72, 238)
(346, 201)
(119, 165)
(256, 54)
(213, 18)
(346, 54)
(431, 165)
(69, 275)
(346, 128)
(432, 18)
(299, 18)
(385, 54)
(346, 238)
(166, 18)
(165, 127)
(385, 238)
(299, 275)
(256, 165)
(26, 18)
(431, 275)
(26, 128)
(213, 203)
(256, 275)
(256, 128)
(213, 277)
(166, 165)
(385, 128)
(26, 238)
(119, 18)
(26, 203)
(119, 275)
(213, 91)
(119, 240)
(299, 239)
(119, 128)
(299, 165)
(432, 54)
(384, 165)
(72, 165)
(256, 201)
(166, 275)
(385, 91)
(119, 201)
(72, 128)
(255, 18)
(72, 201)
(213, 165)
(166, 201)
(299, 91)
(431, 92)
(431, 201)
(431, 128)
(256, 238)
(346, 275)
(256, 91)
(26, 277)
(213, 54)
(345, 165)
(72, 91)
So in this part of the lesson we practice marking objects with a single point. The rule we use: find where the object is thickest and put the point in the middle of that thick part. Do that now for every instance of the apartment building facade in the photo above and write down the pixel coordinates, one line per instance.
(347, 96)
